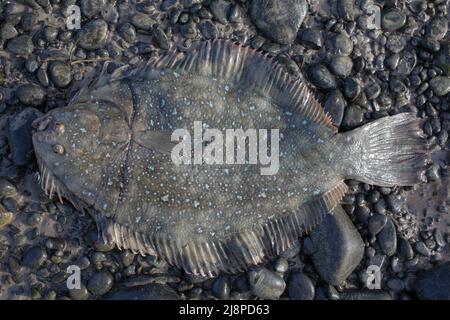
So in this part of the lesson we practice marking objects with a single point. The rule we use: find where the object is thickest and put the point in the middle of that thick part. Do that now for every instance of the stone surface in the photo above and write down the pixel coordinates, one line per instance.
(435, 283)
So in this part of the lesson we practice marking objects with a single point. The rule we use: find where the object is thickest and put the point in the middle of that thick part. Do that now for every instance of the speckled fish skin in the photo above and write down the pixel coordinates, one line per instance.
(112, 158)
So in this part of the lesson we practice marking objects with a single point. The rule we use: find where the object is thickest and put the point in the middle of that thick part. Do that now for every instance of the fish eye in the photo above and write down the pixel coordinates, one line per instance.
(58, 149)
(59, 127)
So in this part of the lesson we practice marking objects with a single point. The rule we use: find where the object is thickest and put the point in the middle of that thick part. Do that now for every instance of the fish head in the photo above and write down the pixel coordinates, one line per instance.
(74, 145)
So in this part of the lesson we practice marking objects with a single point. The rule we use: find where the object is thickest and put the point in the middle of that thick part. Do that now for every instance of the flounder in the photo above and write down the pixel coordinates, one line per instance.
(109, 153)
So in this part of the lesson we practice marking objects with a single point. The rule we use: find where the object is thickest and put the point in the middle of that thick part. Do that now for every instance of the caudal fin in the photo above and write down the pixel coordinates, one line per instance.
(392, 151)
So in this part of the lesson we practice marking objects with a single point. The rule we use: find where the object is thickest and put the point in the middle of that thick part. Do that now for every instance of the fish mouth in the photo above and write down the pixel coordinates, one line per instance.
(52, 186)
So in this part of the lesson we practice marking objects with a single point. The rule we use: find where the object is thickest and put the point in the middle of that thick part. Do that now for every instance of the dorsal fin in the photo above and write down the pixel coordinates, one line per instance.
(252, 70)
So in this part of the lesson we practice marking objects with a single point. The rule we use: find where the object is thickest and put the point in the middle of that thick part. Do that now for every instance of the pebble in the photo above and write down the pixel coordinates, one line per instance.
(300, 287)
(34, 257)
(221, 287)
(338, 247)
(161, 38)
(341, 66)
(387, 239)
(342, 45)
(437, 28)
(127, 32)
(440, 85)
(376, 223)
(353, 117)
(93, 35)
(30, 94)
(281, 265)
(79, 294)
(21, 45)
(435, 283)
(8, 31)
(321, 77)
(312, 38)
(407, 62)
(60, 74)
(392, 19)
(422, 249)
(396, 43)
(91, 8)
(207, 29)
(20, 133)
(279, 20)
(335, 105)
(100, 283)
(266, 284)
(6, 217)
(405, 249)
(345, 9)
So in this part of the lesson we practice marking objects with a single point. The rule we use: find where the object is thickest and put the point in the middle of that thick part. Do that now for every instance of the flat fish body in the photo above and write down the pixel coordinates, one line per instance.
(222, 217)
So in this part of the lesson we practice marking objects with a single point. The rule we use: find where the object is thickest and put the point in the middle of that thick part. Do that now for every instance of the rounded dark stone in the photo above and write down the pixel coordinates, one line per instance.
(440, 85)
(353, 117)
(60, 74)
(300, 287)
(8, 31)
(387, 239)
(30, 94)
(93, 35)
(266, 284)
(34, 257)
(341, 66)
(392, 19)
(79, 294)
(342, 45)
(100, 283)
(21, 45)
(437, 28)
(376, 223)
(335, 105)
(321, 77)
(312, 38)
(221, 287)
(396, 43)
(207, 29)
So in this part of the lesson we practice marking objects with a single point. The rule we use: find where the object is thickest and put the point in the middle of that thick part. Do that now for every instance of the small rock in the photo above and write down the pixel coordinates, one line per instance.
(440, 85)
(405, 249)
(34, 257)
(127, 32)
(345, 9)
(142, 21)
(21, 45)
(208, 29)
(8, 31)
(321, 77)
(266, 284)
(335, 105)
(161, 38)
(279, 20)
(376, 223)
(437, 28)
(341, 66)
(338, 247)
(342, 45)
(312, 38)
(301, 287)
(79, 294)
(93, 35)
(281, 265)
(353, 117)
(435, 283)
(396, 43)
(221, 287)
(6, 217)
(387, 239)
(220, 10)
(30, 94)
(100, 283)
(422, 249)
(60, 74)
(91, 8)
(392, 19)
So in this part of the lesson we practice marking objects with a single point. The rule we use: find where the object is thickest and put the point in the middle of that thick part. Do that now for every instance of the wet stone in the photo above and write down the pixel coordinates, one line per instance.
(376, 223)
(440, 85)
(300, 287)
(100, 283)
(8, 31)
(207, 29)
(91, 8)
(321, 77)
(161, 38)
(60, 74)
(127, 32)
(341, 66)
(387, 239)
(396, 43)
(279, 20)
(220, 10)
(405, 249)
(421, 248)
(392, 61)
(435, 283)
(437, 28)
(338, 247)
(79, 294)
(34, 257)
(266, 284)
(312, 38)
(221, 287)
(353, 117)
(21, 45)
(345, 9)
(392, 19)
(6, 217)
(281, 265)
(93, 35)
(20, 132)
(334, 105)
(342, 45)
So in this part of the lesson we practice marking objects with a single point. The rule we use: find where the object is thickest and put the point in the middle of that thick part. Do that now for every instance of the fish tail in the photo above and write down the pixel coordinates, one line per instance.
(389, 151)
